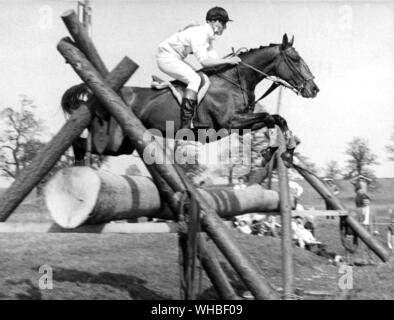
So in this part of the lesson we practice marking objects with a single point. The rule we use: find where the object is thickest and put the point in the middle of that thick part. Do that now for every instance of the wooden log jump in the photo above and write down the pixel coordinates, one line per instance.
(135, 131)
(82, 195)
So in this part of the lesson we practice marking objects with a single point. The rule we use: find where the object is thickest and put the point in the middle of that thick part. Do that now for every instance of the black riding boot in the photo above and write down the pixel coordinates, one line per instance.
(188, 108)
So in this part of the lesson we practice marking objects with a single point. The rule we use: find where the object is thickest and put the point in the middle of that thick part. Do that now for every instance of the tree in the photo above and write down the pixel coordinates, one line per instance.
(332, 170)
(390, 148)
(360, 157)
(22, 139)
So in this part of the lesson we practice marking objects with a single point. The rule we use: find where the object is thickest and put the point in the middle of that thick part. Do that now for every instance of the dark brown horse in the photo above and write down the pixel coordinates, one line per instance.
(229, 101)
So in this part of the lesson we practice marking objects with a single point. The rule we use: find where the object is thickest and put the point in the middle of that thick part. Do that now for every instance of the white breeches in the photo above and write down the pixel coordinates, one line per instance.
(179, 70)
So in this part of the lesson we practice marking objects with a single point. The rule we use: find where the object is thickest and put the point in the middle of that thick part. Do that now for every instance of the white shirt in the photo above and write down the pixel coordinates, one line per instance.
(195, 40)
(301, 234)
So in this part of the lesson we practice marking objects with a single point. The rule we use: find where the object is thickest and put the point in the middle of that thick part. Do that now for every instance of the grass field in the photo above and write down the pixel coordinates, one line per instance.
(94, 266)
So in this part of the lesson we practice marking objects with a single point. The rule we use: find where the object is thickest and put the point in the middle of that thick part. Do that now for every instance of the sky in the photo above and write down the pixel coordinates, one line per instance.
(348, 45)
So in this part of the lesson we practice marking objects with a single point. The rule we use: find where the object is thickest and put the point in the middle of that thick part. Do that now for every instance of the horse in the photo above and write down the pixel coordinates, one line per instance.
(228, 103)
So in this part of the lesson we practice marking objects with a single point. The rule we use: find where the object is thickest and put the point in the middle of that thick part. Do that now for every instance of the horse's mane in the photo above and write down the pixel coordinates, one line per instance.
(222, 68)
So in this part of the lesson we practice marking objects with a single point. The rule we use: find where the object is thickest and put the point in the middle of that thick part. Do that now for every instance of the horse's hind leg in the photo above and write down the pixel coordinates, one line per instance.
(79, 149)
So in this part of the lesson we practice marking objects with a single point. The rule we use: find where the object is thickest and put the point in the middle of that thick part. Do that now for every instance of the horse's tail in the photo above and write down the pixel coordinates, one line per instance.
(73, 98)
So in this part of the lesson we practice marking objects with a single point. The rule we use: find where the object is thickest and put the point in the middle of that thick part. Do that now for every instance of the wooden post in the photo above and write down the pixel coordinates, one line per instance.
(285, 211)
(47, 158)
(215, 272)
(140, 138)
(335, 204)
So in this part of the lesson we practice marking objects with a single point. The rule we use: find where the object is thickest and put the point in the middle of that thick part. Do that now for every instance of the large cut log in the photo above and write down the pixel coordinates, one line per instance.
(47, 158)
(82, 195)
(336, 204)
(140, 139)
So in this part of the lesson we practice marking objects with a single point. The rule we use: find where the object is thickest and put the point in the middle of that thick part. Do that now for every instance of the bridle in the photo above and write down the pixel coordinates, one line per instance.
(276, 82)
(290, 64)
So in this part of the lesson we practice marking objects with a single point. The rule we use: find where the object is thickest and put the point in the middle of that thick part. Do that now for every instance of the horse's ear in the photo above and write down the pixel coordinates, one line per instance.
(292, 41)
(285, 41)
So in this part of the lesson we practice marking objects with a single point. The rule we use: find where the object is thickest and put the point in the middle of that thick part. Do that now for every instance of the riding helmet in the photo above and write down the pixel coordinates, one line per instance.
(217, 13)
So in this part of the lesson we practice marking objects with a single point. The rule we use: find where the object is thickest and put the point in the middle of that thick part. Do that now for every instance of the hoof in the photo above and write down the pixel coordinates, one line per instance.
(267, 155)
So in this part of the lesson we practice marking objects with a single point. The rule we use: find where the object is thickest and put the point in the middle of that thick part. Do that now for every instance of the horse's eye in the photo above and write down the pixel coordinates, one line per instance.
(296, 58)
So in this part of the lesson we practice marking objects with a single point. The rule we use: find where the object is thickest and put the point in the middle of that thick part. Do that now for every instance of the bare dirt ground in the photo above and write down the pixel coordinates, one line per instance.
(137, 267)
(104, 266)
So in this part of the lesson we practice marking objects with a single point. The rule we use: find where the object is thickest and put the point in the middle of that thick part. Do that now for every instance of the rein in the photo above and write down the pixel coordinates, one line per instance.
(276, 82)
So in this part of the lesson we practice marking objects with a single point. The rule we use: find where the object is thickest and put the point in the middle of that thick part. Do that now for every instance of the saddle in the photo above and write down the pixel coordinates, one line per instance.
(177, 92)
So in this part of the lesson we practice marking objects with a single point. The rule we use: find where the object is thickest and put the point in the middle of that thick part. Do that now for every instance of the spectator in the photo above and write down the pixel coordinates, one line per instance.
(309, 225)
(271, 226)
(243, 223)
(305, 239)
(241, 183)
(360, 184)
(366, 216)
(301, 236)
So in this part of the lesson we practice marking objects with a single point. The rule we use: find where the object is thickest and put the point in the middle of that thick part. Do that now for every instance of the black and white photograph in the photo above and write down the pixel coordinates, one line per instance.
(208, 152)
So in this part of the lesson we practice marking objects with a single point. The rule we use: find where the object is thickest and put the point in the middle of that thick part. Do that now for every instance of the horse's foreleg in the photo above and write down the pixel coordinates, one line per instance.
(252, 121)
(256, 121)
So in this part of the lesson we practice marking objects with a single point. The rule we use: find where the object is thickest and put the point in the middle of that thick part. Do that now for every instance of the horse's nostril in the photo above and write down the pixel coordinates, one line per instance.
(316, 89)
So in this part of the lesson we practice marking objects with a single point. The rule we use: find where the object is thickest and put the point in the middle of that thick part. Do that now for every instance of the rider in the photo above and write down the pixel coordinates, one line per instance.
(197, 40)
